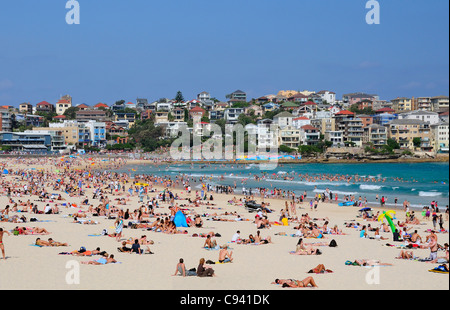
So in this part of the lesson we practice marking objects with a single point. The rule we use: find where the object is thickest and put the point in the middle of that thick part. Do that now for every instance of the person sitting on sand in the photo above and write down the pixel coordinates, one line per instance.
(181, 270)
(296, 283)
(224, 255)
(250, 240)
(302, 250)
(136, 248)
(378, 236)
(198, 221)
(260, 240)
(204, 270)
(406, 255)
(209, 242)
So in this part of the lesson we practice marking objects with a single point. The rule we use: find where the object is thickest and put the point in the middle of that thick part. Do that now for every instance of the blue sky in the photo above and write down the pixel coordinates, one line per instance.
(151, 49)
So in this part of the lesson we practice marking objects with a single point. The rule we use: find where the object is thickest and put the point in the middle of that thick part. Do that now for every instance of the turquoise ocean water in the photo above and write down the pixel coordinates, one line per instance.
(419, 183)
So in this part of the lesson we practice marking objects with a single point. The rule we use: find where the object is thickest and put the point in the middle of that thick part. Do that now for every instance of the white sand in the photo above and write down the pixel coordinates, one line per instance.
(254, 266)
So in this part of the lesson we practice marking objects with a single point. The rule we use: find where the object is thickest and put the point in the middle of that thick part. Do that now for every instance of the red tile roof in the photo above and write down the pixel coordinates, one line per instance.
(98, 105)
(345, 112)
(308, 127)
(197, 109)
(43, 103)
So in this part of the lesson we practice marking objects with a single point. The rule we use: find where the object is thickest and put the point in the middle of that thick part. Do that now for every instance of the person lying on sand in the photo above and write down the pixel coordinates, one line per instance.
(50, 242)
(102, 260)
(369, 262)
(320, 269)
(309, 281)
(31, 231)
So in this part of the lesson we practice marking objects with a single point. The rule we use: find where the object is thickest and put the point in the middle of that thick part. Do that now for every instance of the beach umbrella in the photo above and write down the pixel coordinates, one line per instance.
(5, 171)
(388, 215)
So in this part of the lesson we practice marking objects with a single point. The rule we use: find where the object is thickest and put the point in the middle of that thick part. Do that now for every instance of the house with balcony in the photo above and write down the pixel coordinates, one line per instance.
(439, 103)
(26, 108)
(323, 124)
(335, 137)
(30, 120)
(283, 119)
(353, 131)
(63, 104)
(97, 132)
(402, 104)
(309, 135)
(45, 107)
(300, 121)
(353, 98)
(204, 97)
(27, 142)
(5, 120)
(289, 136)
(231, 115)
(423, 103)
(237, 96)
(267, 134)
(384, 119)
(425, 116)
(215, 115)
(440, 138)
(328, 96)
(377, 135)
(130, 118)
(405, 130)
(87, 115)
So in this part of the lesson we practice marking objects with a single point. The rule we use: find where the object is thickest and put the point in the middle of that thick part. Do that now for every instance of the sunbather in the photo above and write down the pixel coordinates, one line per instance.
(296, 283)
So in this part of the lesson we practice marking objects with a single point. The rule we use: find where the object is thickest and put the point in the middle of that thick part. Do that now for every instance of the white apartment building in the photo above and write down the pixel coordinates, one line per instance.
(425, 116)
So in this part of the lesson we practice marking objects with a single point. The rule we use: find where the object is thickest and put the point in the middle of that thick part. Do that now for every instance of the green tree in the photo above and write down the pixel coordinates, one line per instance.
(417, 141)
(179, 97)
(71, 113)
(286, 149)
(393, 144)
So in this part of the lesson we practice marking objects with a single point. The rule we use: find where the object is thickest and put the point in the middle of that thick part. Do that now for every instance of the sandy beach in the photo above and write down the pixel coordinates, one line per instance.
(254, 267)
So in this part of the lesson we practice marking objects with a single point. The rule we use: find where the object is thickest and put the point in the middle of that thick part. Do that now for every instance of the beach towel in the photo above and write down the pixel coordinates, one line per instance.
(439, 269)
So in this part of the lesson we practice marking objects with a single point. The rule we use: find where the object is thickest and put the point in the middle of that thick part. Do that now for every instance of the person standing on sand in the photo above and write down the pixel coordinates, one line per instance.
(119, 228)
(2, 246)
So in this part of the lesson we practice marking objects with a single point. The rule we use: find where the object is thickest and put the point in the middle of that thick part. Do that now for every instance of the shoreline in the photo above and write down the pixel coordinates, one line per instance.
(294, 162)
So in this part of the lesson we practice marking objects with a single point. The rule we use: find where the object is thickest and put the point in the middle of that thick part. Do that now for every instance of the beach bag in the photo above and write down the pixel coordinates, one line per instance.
(192, 272)
(333, 243)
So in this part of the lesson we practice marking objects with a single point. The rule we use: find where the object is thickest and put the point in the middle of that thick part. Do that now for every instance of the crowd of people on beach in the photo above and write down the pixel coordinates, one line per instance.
(111, 195)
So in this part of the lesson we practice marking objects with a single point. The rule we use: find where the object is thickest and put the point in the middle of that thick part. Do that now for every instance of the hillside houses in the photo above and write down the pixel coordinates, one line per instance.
(290, 118)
